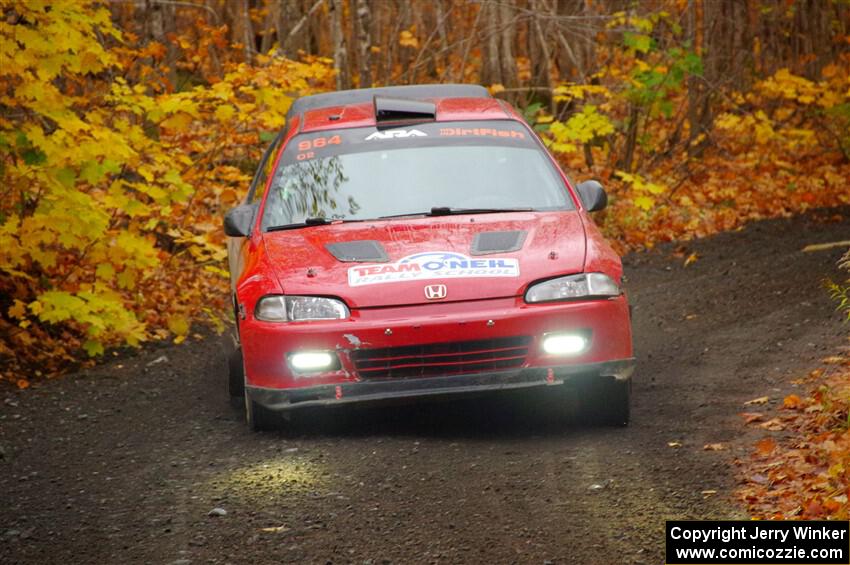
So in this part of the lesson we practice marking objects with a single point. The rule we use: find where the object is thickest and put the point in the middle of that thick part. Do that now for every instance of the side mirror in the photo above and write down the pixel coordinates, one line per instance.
(592, 195)
(237, 222)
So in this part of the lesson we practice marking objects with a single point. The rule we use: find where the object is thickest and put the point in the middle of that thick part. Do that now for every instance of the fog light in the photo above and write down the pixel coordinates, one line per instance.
(311, 360)
(564, 344)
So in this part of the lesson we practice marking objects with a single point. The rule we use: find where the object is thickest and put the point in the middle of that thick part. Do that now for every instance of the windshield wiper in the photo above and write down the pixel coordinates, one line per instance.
(309, 222)
(449, 211)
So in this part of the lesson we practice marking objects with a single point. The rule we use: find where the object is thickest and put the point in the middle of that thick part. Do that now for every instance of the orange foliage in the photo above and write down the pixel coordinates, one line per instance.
(805, 474)
(114, 183)
(120, 154)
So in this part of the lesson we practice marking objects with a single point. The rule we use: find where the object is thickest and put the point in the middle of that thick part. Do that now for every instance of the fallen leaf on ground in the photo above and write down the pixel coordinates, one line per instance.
(773, 425)
(750, 417)
(765, 446)
(792, 402)
(759, 400)
(825, 246)
(275, 529)
(714, 447)
(812, 509)
(674, 444)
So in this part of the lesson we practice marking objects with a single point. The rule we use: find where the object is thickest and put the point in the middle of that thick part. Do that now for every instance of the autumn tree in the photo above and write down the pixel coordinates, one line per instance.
(123, 143)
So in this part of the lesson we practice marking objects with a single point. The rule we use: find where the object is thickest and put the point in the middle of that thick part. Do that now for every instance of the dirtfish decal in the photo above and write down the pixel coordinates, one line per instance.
(433, 265)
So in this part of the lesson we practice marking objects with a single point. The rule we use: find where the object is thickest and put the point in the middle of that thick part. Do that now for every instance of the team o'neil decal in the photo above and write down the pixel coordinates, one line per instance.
(433, 265)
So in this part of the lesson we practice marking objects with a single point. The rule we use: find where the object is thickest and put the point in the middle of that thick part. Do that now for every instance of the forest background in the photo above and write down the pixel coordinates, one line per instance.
(128, 128)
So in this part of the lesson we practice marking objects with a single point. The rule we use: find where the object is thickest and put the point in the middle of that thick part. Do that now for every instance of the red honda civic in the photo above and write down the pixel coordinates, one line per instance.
(420, 241)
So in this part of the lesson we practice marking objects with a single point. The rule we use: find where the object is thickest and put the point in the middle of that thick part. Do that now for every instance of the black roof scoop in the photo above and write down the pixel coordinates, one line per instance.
(497, 242)
(401, 111)
(358, 251)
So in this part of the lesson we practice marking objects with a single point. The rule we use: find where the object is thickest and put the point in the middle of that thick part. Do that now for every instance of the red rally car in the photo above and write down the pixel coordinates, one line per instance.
(406, 242)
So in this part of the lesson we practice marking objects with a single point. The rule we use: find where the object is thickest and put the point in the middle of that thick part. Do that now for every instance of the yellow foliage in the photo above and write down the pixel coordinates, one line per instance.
(569, 92)
(407, 39)
(581, 127)
(98, 172)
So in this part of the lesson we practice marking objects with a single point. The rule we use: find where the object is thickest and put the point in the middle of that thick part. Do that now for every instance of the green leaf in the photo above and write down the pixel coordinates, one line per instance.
(530, 111)
(66, 177)
(34, 157)
(105, 271)
(92, 172)
(93, 348)
(693, 64)
(637, 41)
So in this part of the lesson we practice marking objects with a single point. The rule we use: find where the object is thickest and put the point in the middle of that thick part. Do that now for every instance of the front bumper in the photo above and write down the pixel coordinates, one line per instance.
(265, 345)
(392, 389)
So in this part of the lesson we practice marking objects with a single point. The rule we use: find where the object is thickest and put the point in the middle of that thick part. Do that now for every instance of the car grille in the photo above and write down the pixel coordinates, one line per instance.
(438, 359)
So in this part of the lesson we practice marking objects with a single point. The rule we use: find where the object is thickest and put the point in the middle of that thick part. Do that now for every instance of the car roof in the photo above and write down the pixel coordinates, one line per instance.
(360, 95)
(355, 108)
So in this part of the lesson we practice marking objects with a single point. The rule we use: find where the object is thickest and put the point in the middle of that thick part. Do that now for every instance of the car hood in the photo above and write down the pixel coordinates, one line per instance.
(390, 263)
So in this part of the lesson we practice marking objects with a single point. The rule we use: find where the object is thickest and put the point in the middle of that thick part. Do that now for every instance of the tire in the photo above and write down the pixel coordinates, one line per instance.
(236, 374)
(605, 402)
(260, 418)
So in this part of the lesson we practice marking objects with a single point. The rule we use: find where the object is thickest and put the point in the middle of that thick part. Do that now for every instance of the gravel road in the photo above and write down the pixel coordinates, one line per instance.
(143, 460)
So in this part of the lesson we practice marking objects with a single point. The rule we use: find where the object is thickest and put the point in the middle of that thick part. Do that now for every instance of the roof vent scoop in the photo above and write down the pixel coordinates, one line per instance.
(400, 111)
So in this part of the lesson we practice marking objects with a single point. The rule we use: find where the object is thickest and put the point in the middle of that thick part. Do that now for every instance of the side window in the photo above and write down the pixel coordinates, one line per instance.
(258, 184)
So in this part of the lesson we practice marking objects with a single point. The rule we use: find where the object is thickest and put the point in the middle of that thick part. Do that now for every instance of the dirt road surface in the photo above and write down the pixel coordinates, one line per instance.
(123, 463)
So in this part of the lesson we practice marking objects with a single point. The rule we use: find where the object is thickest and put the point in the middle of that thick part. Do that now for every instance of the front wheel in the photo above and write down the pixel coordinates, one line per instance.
(260, 418)
(236, 374)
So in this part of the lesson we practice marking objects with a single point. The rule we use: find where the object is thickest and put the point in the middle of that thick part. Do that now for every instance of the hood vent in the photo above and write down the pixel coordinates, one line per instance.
(358, 251)
(497, 242)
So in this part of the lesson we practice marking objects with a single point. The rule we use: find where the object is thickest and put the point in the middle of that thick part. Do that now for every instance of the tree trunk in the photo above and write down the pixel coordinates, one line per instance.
(288, 43)
(507, 21)
(159, 20)
(364, 44)
(343, 76)
(269, 27)
(247, 31)
(543, 76)
(491, 72)
(699, 114)
(627, 160)
(442, 54)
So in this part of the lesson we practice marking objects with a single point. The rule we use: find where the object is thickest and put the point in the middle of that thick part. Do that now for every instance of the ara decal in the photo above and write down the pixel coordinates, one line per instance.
(392, 133)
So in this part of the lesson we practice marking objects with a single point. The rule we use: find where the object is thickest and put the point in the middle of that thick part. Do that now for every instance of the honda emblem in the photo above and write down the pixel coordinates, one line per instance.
(435, 291)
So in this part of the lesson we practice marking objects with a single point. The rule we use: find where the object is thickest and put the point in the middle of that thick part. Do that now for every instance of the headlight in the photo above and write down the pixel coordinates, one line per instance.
(298, 308)
(585, 285)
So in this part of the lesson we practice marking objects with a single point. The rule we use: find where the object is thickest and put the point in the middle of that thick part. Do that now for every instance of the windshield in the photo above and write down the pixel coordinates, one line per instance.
(365, 173)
